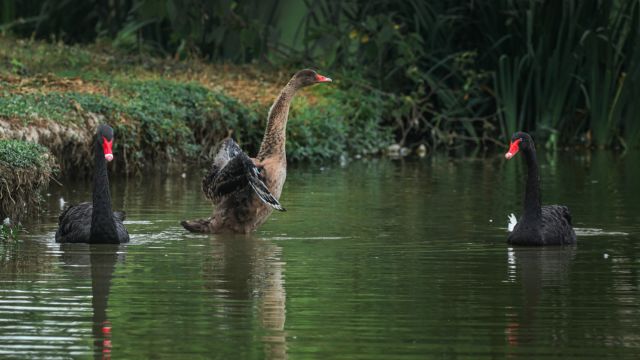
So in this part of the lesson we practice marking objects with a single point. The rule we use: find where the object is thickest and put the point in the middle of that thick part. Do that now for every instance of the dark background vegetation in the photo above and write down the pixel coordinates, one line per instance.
(450, 72)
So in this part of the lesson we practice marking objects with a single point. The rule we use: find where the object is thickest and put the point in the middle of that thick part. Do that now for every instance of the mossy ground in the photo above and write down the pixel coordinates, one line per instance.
(164, 110)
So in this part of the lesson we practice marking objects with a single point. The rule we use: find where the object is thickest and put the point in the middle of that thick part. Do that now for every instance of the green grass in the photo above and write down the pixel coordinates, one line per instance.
(23, 154)
(59, 107)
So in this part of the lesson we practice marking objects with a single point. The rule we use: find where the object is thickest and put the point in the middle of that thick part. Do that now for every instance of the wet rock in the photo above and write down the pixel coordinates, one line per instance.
(421, 151)
(396, 150)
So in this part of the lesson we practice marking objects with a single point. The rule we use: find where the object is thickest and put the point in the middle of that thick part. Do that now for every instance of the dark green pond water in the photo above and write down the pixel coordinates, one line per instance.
(376, 260)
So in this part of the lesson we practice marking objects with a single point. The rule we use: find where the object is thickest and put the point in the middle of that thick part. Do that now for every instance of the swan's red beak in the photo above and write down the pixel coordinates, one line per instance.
(513, 149)
(106, 148)
(320, 78)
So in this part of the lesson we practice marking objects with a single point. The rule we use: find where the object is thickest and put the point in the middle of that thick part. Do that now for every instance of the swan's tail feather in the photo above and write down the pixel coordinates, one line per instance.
(567, 214)
(263, 193)
(120, 215)
(512, 222)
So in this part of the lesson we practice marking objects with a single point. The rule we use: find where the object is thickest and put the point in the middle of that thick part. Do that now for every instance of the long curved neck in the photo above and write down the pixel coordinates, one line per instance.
(273, 142)
(103, 228)
(532, 203)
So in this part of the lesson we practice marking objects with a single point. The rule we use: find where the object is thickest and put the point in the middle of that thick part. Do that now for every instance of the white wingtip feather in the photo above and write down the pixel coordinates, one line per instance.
(512, 222)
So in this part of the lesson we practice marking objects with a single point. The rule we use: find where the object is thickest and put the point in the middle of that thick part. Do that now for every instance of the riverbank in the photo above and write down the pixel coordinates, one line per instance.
(25, 169)
(167, 111)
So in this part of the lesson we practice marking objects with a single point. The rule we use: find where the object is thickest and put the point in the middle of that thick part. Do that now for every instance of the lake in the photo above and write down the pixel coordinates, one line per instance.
(377, 259)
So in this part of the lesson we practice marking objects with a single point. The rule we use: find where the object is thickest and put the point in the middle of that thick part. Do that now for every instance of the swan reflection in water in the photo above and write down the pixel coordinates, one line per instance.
(98, 262)
(247, 268)
(537, 269)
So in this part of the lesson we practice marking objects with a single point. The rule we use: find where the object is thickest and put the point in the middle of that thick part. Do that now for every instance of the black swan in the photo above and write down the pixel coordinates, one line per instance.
(538, 225)
(95, 222)
(243, 190)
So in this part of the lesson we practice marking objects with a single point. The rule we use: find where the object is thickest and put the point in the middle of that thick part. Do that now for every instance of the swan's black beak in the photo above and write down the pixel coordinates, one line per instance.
(320, 78)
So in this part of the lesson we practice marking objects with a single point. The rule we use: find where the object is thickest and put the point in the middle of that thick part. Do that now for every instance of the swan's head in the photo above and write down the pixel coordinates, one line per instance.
(308, 77)
(519, 141)
(105, 138)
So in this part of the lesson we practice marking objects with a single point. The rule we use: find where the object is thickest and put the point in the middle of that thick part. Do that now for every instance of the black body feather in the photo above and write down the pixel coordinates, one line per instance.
(75, 224)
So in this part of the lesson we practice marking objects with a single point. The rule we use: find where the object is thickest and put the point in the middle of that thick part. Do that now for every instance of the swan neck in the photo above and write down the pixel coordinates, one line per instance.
(532, 203)
(273, 142)
(103, 227)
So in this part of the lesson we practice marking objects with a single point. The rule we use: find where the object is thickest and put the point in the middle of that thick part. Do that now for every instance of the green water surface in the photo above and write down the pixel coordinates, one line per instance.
(378, 259)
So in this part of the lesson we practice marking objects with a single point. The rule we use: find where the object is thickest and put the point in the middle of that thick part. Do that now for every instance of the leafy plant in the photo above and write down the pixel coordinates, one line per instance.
(23, 154)
(9, 231)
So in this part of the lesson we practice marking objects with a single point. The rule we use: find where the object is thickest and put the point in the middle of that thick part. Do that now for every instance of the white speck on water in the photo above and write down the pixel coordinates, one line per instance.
(597, 232)
(183, 175)
(138, 222)
(606, 256)
(490, 220)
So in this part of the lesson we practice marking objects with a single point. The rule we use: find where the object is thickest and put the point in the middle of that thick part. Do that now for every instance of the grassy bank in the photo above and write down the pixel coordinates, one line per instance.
(166, 111)
(25, 168)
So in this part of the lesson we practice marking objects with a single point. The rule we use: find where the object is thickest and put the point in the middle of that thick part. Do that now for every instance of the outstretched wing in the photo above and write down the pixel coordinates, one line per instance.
(233, 170)
(227, 151)
(230, 178)
(261, 189)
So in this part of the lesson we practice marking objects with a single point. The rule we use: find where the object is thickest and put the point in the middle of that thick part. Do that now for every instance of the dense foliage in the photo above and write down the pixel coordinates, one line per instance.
(448, 71)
